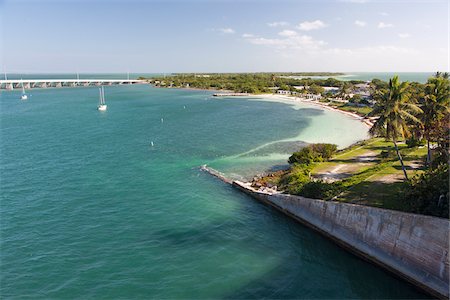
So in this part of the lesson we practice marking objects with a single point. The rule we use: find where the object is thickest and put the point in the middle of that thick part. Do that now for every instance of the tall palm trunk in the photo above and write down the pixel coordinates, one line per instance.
(427, 135)
(401, 159)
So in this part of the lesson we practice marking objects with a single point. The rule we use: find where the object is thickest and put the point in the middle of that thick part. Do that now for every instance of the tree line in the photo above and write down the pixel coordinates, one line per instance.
(416, 112)
(248, 82)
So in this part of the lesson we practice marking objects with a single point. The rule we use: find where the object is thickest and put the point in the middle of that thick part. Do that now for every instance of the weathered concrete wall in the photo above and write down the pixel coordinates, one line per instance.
(413, 246)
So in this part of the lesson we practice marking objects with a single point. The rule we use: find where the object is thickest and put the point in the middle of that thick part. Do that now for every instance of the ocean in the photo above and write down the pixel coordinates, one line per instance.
(90, 209)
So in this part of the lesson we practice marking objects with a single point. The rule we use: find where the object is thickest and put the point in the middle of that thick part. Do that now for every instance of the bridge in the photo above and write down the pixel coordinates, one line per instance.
(58, 83)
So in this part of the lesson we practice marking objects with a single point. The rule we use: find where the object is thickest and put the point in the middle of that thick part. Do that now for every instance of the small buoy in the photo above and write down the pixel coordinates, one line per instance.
(162, 120)
(151, 143)
(184, 106)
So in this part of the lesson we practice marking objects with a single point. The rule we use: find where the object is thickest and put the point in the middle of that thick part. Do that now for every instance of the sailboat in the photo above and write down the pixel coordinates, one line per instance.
(24, 95)
(102, 105)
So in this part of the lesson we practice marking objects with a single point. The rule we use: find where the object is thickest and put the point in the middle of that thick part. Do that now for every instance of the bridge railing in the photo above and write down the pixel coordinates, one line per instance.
(59, 83)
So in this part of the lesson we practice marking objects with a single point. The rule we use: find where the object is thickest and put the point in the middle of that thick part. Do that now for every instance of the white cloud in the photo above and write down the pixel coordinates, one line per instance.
(227, 30)
(247, 35)
(404, 35)
(293, 41)
(318, 55)
(299, 42)
(382, 25)
(307, 26)
(384, 14)
(287, 33)
(377, 57)
(278, 24)
(360, 23)
(368, 51)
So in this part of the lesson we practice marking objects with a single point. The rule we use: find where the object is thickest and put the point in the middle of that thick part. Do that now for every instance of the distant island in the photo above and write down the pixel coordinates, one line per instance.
(254, 83)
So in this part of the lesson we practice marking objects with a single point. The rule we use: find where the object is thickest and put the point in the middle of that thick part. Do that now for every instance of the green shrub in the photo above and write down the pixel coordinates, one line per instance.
(326, 151)
(320, 190)
(304, 156)
(429, 192)
(313, 153)
(412, 142)
(293, 181)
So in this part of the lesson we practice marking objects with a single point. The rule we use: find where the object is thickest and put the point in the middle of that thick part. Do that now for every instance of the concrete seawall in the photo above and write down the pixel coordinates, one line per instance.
(412, 246)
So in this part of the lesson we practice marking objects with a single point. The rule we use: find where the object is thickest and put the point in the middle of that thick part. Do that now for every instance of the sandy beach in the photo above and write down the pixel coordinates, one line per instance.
(290, 99)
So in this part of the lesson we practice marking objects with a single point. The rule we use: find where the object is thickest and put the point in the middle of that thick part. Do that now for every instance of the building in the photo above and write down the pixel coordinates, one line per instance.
(284, 92)
(313, 97)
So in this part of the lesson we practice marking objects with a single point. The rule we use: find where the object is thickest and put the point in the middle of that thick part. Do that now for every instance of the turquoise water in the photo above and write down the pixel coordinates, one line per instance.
(90, 210)
(421, 77)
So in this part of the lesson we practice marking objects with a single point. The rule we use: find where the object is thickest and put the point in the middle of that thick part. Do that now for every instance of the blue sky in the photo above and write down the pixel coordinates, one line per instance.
(224, 36)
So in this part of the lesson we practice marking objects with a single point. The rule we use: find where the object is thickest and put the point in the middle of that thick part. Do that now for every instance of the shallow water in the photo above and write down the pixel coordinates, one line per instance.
(90, 209)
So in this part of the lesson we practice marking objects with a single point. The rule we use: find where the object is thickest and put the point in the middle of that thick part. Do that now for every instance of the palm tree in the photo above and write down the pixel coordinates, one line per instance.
(444, 75)
(346, 88)
(394, 111)
(435, 106)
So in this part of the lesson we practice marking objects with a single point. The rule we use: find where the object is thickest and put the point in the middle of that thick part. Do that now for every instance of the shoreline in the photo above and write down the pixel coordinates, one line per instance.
(275, 97)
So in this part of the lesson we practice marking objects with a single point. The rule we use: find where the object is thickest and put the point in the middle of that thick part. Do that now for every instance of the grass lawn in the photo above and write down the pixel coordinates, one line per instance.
(375, 193)
(367, 173)
(356, 158)
(362, 111)
(380, 182)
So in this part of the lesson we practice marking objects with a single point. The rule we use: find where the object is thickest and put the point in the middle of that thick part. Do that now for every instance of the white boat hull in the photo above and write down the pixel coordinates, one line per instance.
(24, 97)
(102, 107)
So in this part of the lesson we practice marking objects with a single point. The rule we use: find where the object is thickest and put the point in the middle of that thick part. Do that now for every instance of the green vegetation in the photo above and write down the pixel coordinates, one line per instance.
(248, 82)
(428, 192)
(360, 110)
(435, 107)
(395, 113)
(407, 116)
(313, 153)
(375, 172)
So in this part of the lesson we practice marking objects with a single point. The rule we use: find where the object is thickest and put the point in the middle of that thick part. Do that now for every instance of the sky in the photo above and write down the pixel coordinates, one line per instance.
(153, 36)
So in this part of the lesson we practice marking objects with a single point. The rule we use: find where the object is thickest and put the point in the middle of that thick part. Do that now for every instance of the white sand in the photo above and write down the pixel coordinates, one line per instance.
(293, 100)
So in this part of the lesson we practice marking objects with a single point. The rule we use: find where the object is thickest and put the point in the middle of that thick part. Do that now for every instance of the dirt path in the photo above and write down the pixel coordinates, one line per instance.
(397, 177)
(344, 170)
